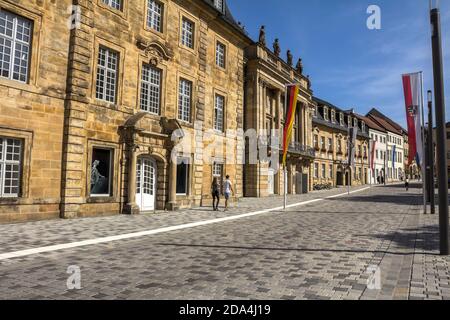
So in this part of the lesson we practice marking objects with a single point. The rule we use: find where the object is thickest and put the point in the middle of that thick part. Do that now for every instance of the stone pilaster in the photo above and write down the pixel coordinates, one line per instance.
(74, 166)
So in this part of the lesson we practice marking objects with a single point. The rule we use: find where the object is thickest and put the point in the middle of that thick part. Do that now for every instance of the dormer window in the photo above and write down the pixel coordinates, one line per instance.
(355, 123)
(333, 116)
(218, 4)
(325, 113)
(363, 126)
(342, 119)
(315, 112)
(349, 121)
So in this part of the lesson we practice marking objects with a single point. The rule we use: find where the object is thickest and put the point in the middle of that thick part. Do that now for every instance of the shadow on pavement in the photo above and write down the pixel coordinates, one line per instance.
(305, 250)
(398, 199)
(421, 238)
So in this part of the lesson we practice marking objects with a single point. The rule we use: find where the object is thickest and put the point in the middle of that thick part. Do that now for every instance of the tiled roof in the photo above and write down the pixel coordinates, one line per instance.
(371, 123)
(394, 124)
(386, 125)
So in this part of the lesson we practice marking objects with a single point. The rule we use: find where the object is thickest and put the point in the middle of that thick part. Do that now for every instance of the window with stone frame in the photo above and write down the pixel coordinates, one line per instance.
(101, 170)
(219, 111)
(10, 167)
(115, 4)
(339, 146)
(330, 144)
(333, 116)
(316, 170)
(15, 46)
(324, 171)
(316, 141)
(220, 54)
(151, 89)
(342, 119)
(325, 113)
(107, 74)
(330, 171)
(184, 100)
(218, 4)
(155, 12)
(187, 33)
(322, 143)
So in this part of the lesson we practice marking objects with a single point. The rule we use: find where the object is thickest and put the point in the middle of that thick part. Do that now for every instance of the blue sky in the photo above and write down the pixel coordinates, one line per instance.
(350, 65)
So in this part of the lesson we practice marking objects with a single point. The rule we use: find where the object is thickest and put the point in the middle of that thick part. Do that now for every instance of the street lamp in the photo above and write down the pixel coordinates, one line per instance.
(430, 157)
(439, 100)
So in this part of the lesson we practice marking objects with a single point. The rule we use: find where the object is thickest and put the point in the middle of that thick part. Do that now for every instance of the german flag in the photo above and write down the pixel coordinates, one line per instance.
(291, 109)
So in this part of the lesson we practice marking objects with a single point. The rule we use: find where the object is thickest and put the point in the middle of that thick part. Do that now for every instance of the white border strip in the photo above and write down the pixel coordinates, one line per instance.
(28, 252)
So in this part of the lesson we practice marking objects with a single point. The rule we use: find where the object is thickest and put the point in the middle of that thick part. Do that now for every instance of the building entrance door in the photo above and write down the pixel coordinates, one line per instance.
(146, 184)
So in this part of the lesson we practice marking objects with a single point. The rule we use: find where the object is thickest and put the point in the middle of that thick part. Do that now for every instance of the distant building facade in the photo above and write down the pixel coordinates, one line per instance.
(266, 77)
(330, 139)
(395, 146)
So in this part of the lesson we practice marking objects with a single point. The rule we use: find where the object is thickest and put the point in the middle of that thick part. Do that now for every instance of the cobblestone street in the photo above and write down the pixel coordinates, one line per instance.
(323, 249)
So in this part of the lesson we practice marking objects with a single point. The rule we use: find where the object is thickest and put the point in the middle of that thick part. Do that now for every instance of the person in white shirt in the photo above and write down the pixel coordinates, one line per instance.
(227, 190)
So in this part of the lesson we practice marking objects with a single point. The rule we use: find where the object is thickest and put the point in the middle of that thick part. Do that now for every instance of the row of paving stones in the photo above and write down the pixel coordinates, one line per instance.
(28, 235)
(430, 278)
(320, 251)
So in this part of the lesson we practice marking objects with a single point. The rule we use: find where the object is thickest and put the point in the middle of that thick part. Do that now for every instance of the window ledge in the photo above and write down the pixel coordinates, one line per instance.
(100, 199)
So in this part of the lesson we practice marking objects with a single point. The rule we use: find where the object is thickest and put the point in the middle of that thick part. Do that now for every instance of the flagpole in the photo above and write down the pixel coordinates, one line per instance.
(424, 178)
(284, 164)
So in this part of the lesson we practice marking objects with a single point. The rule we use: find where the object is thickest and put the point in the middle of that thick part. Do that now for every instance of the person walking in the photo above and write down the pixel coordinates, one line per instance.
(407, 184)
(228, 190)
(215, 191)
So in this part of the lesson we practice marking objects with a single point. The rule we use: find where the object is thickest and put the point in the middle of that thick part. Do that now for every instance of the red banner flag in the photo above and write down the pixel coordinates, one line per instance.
(413, 100)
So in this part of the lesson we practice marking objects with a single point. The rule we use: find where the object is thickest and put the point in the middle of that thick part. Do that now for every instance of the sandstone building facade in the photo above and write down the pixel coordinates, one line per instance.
(265, 80)
(330, 140)
(91, 109)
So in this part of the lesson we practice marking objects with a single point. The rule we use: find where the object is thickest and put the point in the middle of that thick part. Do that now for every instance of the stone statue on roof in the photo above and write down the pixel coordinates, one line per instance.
(262, 36)
(276, 47)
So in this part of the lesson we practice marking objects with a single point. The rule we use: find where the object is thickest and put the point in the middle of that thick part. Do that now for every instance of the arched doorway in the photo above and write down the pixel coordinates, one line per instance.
(146, 182)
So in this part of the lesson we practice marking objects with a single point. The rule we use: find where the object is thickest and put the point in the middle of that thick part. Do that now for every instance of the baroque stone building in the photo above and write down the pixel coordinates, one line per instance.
(330, 140)
(265, 79)
(101, 93)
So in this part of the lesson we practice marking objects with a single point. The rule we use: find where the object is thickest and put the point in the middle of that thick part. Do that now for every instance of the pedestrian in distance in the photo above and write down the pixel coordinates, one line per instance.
(215, 191)
(407, 184)
(228, 190)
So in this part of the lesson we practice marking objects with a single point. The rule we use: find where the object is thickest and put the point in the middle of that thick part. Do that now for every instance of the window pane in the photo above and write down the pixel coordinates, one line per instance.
(150, 89)
(154, 15)
(116, 4)
(182, 178)
(15, 39)
(218, 113)
(220, 55)
(187, 33)
(101, 172)
(184, 101)
(10, 164)
(107, 69)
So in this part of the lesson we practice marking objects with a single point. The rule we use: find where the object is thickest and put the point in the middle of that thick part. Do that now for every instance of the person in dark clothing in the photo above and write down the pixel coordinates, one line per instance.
(407, 184)
(215, 190)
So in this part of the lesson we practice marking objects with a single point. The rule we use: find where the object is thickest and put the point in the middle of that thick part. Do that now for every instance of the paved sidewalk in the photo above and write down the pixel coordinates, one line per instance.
(323, 250)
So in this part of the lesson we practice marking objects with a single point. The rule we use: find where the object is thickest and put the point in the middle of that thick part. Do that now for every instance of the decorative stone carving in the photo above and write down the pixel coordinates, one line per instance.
(155, 51)
(262, 36)
(276, 47)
